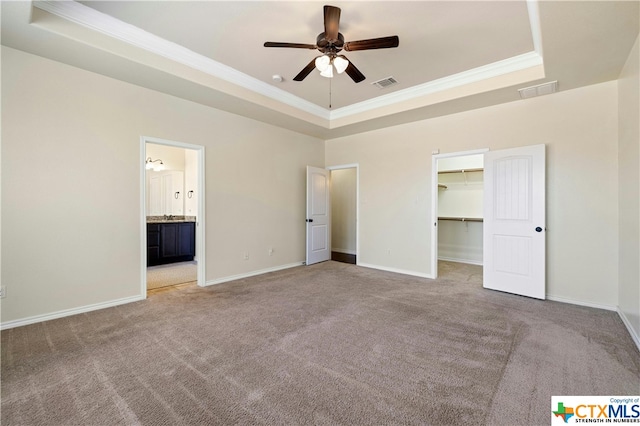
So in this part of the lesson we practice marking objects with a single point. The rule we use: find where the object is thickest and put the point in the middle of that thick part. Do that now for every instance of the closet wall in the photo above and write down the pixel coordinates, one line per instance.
(460, 194)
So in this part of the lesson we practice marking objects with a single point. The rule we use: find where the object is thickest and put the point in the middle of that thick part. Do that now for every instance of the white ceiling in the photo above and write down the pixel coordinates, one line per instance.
(452, 55)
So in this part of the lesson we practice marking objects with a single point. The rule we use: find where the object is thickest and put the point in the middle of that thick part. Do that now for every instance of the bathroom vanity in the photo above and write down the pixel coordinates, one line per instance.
(170, 240)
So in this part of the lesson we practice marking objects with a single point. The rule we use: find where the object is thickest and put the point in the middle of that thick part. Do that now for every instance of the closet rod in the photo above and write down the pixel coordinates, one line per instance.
(462, 219)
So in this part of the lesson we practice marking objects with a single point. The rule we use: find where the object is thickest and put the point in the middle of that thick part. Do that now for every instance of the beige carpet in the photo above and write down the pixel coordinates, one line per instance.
(172, 274)
(330, 343)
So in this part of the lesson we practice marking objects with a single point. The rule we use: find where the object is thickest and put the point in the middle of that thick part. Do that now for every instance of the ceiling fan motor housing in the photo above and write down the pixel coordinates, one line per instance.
(329, 46)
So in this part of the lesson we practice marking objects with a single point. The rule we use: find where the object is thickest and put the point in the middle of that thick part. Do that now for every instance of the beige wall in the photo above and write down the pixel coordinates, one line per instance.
(173, 158)
(67, 243)
(71, 161)
(629, 190)
(580, 130)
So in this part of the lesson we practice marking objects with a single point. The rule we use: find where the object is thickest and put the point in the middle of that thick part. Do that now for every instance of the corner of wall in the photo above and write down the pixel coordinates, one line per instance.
(629, 193)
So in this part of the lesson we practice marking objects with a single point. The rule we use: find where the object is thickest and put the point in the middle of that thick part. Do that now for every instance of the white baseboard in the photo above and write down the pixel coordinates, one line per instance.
(581, 303)
(345, 251)
(397, 271)
(68, 312)
(252, 274)
(632, 332)
(467, 261)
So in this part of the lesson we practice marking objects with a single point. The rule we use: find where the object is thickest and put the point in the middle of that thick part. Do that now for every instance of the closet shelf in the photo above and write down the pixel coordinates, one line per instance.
(461, 171)
(461, 219)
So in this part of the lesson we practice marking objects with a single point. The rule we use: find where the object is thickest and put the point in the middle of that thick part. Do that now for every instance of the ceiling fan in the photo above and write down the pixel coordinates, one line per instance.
(330, 43)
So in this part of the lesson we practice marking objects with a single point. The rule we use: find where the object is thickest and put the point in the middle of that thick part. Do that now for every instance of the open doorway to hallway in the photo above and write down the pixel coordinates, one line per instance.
(344, 194)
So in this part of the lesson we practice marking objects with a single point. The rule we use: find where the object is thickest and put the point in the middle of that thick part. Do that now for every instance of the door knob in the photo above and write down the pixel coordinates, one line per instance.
(309, 220)
(538, 229)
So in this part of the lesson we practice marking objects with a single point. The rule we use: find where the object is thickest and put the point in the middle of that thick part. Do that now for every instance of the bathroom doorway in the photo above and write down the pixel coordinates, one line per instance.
(172, 223)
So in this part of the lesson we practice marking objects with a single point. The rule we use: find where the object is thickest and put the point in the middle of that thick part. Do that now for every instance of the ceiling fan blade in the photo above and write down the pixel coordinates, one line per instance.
(352, 71)
(294, 45)
(372, 43)
(331, 23)
(305, 71)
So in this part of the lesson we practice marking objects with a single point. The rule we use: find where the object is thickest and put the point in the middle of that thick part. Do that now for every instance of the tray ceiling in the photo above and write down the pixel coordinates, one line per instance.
(453, 55)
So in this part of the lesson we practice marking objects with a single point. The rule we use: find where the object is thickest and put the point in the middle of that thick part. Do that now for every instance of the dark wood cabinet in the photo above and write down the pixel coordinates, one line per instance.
(153, 244)
(170, 242)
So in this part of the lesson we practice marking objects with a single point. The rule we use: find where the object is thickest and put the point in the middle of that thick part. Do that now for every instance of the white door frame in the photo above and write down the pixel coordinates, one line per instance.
(357, 167)
(434, 202)
(200, 223)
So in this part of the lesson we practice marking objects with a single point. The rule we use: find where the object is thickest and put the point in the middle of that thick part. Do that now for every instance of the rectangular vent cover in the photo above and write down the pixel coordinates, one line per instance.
(540, 89)
(385, 82)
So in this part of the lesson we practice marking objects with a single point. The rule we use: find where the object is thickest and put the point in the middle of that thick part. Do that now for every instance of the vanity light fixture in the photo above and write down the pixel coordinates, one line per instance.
(150, 164)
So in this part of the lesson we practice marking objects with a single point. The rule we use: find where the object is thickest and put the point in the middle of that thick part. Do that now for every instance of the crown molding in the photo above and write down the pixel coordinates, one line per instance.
(496, 69)
(105, 24)
(534, 23)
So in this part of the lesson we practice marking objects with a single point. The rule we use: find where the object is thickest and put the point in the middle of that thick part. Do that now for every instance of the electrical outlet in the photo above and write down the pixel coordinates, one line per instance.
(270, 251)
(3, 292)
(246, 255)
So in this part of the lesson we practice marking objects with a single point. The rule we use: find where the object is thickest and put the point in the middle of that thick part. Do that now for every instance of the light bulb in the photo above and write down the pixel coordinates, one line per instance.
(328, 72)
(323, 62)
(341, 64)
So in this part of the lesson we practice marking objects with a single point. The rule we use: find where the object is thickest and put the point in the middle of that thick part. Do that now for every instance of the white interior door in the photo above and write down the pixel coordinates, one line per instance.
(514, 221)
(318, 215)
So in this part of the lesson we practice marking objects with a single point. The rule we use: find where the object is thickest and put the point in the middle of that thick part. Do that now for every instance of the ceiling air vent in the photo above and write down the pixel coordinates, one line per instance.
(540, 89)
(385, 82)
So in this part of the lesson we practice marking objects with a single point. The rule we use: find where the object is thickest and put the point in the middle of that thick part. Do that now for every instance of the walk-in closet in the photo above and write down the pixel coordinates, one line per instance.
(460, 196)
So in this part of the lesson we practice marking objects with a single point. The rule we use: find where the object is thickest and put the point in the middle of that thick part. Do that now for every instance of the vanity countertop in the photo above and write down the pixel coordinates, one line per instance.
(170, 219)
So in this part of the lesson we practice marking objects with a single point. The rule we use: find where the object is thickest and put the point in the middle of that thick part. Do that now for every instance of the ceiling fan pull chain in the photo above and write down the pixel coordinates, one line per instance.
(330, 93)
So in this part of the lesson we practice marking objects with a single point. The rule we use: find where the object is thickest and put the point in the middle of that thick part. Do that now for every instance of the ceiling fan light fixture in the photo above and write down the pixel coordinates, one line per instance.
(322, 63)
(341, 64)
(328, 72)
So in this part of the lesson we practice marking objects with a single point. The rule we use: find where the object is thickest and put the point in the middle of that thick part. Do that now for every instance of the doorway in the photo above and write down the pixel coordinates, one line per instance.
(321, 242)
(513, 218)
(344, 214)
(172, 220)
(457, 197)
